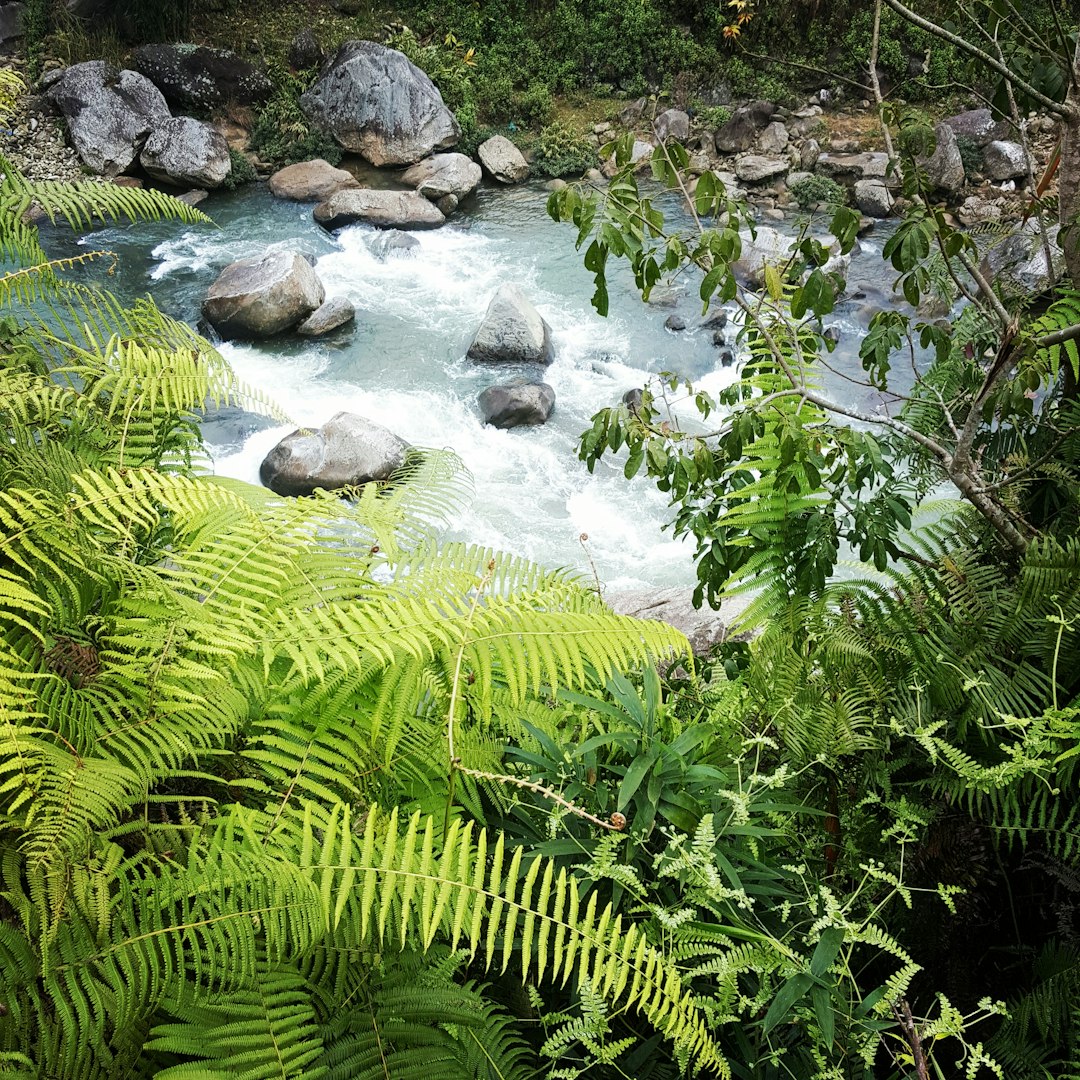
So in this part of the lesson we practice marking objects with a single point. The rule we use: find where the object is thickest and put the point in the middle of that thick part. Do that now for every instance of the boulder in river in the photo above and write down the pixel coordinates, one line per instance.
(377, 103)
(705, 627)
(200, 78)
(187, 153)
(873, 198)
(331, 315)
(346, 451)
(945, 167)
(109, 113)
(512, 331)
(517, 404)
(392, 244)
(1003, 160)
(672, 124)
(503, 160)
(444, 174)
(379, 207)
(741, 131)
(310, 181)
(257, 298)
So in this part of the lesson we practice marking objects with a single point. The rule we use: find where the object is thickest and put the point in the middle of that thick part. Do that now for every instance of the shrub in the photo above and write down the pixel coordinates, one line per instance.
(242, 171)
(971, 154)
(283, 135)
(814, 190)
(533, 107)
(562, 151)
(713, 116)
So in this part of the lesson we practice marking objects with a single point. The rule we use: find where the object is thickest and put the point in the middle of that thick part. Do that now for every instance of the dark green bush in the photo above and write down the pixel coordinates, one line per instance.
(815, 190)
(242, 171)
(562, 151)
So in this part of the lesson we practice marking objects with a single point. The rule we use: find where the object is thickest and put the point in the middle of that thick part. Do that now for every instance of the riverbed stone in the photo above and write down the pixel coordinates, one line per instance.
(200, 78)
(331, 315)
(393, 243)
(348, 450)
(754, 168)
(873, 198)
(109, 113)
(517, 404)
(381, 208)
(1004, 160)
(379, 104)
(704, 627)
(512, 331)
(310, 181)
(503, 160)
(977, 209)
(257, 298)
(187, 153)
(1018, 264)
(945, 167)
(980, 127)
(866, 165)
(774, 139)
(741, 131)
(672, 124)
(444, 174)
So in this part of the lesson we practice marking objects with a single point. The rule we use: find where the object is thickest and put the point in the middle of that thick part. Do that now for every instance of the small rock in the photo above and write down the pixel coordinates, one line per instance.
(393, 243)
(310, 181)
(503, 160)
(831, 334)
(727, 358)
(444, 174)
(675, 322)
(334, 313)
(809, 154)
(517, 404)
(447, 204)
(672, 124)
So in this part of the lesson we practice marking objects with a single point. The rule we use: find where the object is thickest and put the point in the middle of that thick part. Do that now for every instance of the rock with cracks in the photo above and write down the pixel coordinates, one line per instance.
(257, 298)
(310, 181)
(332, 315)
(200, 78)
(187, 153)
(346, 451)
(517, 404)
(109, 113)
(381, 208)
(444, 174)
(375, 102)
(512, 331)
(503, 160)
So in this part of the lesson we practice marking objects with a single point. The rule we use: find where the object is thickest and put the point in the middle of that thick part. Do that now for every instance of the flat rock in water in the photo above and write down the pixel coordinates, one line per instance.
(109, 113)
(346, 451)
(377, 103)
(444, 174)
(384, 209)
(753, 168)
(257, 298)
(512, 331)
(334, 313)
(186, 152)
(310, 181)
(393, 243)
(503, 160)
(517, 404)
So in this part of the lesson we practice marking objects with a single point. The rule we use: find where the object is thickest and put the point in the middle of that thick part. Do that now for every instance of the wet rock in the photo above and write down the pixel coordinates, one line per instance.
(727, 358)
(675, 322)
(831, 334)
(503, 160)
(186, 152)
(334, 313)
(444, 174)
(346, 451)
(512, 331)
(447, 204)
(257, 298)
(517, 404)
(705, 627)
(109, 113)
(201, 78)
(393, 243)
(633, 399)
(384, 209)
(1004, 160)
(310, 181)
(377, 103)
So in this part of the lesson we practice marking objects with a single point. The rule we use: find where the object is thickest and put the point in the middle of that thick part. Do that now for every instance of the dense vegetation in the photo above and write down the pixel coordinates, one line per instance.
(290, 790)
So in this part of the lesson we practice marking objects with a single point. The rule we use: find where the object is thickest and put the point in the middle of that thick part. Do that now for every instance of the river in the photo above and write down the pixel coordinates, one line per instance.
(403, 363)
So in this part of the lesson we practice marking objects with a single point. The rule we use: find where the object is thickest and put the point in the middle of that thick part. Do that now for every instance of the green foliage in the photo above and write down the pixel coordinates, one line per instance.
(241, 171)
(562, 151)
(819, 191)
(713, 116)
(283, 135)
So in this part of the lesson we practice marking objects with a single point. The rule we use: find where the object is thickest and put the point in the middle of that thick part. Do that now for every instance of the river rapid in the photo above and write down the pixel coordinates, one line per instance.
(403, 362)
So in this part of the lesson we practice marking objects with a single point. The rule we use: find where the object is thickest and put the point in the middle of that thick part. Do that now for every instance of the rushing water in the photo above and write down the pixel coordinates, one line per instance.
(403, 363)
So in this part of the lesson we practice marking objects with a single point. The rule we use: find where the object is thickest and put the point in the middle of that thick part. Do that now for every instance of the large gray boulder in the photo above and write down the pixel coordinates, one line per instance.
(868, 165)
(873, 198)
(187, 153)
(197, 77)
(517, 404)
(444, 174)
(310, 181)
(392, 243)
(332, 315)
(770, 246)
(503, 160)
(1003, 160)
(774, 139)
(384, 209)
(11, 22)
(980, 127)
(741, 131)
(257, 298)
(377, 103)
(512, 331)
(672, 124)
(754, 168)
(945, 167)
(346, 451)
(1018, 264)
(109, 113)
